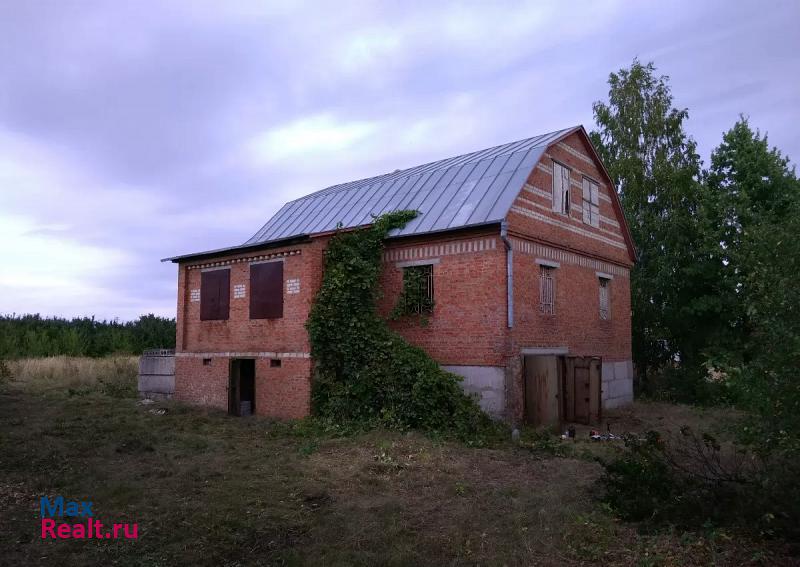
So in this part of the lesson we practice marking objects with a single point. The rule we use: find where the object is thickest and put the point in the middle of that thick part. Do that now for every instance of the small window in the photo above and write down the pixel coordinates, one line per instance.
(274, 362)
(561, 188)
(266, 290)
(206, 362)
(417, 289)
(591, 202)
(605, 299)
(215, 294)
(547, 290)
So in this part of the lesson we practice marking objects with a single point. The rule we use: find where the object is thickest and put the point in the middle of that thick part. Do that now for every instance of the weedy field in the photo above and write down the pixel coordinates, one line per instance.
(208, 489)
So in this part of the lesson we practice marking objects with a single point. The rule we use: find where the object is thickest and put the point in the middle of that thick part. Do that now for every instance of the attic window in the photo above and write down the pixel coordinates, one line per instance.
(561, 188)
(215, 294)
(591, 202)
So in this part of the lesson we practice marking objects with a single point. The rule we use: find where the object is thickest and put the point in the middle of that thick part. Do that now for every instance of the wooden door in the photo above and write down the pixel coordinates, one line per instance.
(541, 390)
(582, 389)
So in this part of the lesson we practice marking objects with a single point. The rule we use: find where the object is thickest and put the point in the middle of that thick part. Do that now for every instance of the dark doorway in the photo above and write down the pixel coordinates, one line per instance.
(242, 387)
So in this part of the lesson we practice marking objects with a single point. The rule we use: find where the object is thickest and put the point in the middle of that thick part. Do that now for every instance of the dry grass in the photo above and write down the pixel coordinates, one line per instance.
(114, 375)
(208, 489)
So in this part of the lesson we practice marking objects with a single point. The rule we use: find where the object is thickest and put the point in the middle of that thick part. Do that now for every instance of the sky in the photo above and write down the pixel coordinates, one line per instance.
(133, 131)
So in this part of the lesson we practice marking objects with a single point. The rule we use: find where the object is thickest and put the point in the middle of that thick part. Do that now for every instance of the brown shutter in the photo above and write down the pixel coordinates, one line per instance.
(215, 290)
(266, 290)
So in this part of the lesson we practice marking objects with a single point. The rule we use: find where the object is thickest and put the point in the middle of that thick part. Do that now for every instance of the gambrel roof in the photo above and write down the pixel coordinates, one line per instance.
(468, 190)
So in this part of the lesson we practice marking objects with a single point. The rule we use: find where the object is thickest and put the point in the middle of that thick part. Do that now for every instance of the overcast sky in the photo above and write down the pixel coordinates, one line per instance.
(131, 131)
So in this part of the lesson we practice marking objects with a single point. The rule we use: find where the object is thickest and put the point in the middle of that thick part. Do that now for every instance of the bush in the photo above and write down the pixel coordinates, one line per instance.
(692, 481)
(365, 372)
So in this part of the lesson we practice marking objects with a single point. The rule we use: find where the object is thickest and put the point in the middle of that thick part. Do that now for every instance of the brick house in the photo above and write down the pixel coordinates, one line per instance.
(522, 249)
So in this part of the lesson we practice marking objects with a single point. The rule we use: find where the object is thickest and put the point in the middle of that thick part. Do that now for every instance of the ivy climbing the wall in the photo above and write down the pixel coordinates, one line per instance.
(364, 371)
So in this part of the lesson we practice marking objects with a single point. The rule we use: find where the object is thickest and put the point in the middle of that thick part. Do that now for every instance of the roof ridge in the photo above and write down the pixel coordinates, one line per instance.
(399, 172)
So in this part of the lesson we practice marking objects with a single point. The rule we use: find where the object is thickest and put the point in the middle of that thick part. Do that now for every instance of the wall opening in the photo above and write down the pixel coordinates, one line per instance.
(242, 387)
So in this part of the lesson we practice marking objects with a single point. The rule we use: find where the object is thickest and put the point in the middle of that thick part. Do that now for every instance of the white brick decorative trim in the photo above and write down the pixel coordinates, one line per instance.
(444, 249)
(575, 214)
(293, 286)
(247, 259)
(604, 275)
(239, 291)
(194, 295)
(583, 232)
(572, 151)
(243, 354)
(540, 251)
(538, 192)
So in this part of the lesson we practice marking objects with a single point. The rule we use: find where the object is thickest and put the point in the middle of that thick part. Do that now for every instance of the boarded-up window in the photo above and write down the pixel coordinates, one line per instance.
(605, 299)
(560, 188)
(266, 290)
(591, 202)
(215, 293)
(547, 290)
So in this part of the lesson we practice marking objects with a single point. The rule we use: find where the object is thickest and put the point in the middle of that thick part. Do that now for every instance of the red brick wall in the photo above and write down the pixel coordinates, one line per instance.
(576, 322)
(468, 323)
(532, 215)
(283, 392)
(240, 333)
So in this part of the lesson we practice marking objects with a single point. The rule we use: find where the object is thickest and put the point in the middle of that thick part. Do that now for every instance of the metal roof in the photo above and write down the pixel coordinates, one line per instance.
(472, 189)
(466, 190)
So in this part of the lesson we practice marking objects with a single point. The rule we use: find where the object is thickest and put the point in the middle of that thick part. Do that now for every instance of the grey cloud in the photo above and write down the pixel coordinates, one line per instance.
(140, 114)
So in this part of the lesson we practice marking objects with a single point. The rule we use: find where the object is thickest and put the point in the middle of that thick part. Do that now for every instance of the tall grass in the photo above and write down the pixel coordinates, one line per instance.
(113, 375)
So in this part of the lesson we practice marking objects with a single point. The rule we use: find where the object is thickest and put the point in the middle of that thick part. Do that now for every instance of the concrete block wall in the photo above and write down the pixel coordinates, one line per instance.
(157, 375)
(487, 384)
(617, 383)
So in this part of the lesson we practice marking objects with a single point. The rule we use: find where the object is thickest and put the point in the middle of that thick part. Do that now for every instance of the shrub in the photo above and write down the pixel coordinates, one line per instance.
(691, 481)
(364, 371)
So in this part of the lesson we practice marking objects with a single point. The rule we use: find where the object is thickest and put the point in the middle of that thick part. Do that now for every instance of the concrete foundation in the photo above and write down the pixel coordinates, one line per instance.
(487, 384)
(617, 384)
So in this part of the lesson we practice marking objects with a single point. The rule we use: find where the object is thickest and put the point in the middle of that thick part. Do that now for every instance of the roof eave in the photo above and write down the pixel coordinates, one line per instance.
(243, 248)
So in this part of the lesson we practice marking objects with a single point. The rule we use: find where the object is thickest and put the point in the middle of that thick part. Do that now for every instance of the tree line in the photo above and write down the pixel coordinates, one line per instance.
(34, 335)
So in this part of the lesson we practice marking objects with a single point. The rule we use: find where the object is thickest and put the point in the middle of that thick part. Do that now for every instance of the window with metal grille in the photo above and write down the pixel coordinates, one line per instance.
(417, 289)
(561, 188)
(605, 299)
(591, 202)
(547, 290)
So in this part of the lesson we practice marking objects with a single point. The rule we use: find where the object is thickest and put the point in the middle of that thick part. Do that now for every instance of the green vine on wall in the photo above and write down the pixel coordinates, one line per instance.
(364, 371)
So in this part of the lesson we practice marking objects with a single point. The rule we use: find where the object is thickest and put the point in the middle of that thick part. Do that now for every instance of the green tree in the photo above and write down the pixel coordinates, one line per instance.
(656, 169)
(755, 200)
